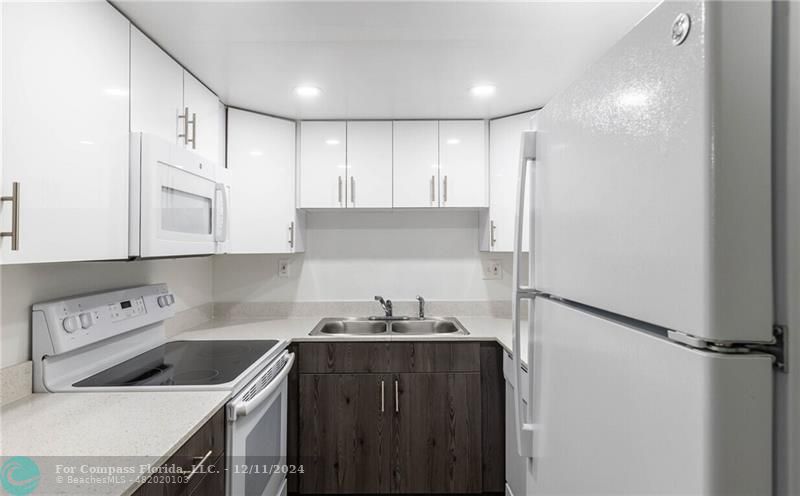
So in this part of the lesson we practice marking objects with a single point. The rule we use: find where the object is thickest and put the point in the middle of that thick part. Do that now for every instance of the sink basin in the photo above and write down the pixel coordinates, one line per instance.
(363, 326)
(428, 326)
(351, 327)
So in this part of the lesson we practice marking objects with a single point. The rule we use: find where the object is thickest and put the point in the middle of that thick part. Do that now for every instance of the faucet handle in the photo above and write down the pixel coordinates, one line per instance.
(380, 299)
(421, 306)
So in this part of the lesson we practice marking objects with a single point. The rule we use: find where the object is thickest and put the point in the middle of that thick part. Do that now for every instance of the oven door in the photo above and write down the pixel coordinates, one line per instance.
(180, 207)
(256, 436)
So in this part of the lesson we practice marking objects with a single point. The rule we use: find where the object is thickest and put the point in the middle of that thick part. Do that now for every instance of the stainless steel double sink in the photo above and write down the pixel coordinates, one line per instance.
(366, 326)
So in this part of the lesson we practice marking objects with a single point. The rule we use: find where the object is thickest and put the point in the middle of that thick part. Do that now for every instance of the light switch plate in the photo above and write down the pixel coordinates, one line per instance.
(492, 269)
(283, 268)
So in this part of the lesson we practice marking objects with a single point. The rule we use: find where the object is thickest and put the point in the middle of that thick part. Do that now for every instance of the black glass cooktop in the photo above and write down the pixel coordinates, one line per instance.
(183, 363)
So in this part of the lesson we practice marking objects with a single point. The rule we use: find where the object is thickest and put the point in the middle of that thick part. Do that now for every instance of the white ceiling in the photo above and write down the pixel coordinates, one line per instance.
(380, 59)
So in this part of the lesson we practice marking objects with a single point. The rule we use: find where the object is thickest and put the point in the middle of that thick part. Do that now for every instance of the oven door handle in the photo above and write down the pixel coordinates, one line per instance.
(243, 407)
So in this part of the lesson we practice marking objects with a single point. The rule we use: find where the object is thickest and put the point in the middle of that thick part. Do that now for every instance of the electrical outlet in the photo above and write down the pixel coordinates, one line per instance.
(492, 269)
(283, 268)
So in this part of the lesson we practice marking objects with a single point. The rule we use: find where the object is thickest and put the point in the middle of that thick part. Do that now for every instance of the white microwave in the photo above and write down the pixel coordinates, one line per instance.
(177, 208)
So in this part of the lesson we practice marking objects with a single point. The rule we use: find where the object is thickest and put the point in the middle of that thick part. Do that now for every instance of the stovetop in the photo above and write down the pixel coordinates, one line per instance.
(183, 363)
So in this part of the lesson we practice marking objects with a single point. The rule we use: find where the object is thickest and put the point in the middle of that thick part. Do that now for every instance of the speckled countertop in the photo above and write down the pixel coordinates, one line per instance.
(124, 429)
(297, 329)
(87, 430)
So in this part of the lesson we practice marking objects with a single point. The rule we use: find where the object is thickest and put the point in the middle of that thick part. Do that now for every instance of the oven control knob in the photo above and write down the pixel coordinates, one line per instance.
(86, 320)
(71, 324)
(162, 301)
(170, 299)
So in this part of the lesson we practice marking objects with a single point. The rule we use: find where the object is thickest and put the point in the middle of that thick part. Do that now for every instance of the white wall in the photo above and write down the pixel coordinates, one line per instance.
(23, 285)
(352, 256)
(786, 154)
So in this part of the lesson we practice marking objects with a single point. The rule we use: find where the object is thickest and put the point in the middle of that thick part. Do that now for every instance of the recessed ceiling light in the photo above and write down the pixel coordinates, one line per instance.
(453, 141)
(307, 91)
(331, 142)
(483, 90)
(256, 153)
(86, 142)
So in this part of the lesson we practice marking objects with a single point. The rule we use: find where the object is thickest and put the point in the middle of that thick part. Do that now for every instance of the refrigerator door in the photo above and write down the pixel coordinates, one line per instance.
(652, 195)
(618, 410)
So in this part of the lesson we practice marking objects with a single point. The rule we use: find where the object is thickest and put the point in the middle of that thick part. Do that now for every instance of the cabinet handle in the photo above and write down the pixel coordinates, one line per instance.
(444, 196)
(492, 228)
(396, 397)
(185, 118)
(340, 190)
(14, 232)
(383, 384)
(433, 189)
(291, 234)
(201, 460)
(194, 130)
(353, 190)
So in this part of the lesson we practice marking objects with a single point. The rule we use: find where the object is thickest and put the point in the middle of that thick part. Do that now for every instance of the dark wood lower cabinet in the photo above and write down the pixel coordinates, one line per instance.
(344, 433)
(417, 420)
(437, 446)
(206, 446)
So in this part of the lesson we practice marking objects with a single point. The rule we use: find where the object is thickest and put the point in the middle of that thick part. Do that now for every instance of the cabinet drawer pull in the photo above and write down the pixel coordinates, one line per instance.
(383, 384)
(199, 462)
(433, 189)
(396, 397)
(291, 235)
(444, 196)
(14, 232)
(353, 190)
(340, 190)
(492, 229)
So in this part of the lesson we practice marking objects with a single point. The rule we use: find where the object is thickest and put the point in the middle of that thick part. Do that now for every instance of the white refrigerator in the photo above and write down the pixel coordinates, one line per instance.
(649, 350)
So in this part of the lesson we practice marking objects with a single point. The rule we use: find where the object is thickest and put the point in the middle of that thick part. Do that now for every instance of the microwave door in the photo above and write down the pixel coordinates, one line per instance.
(178, 212)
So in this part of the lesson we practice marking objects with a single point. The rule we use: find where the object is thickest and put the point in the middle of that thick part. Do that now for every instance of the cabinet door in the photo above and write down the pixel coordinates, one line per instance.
(504, 147)
(369, 164)
(416, 164)
(204, 110)
(261, 153)
(437, 433)
(323, 174)
(344, 433)
(65, 138)
(463, 172)
(156, 89)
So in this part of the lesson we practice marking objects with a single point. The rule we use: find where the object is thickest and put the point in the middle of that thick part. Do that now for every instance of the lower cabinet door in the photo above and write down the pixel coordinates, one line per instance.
(344, 433)
(437, 433)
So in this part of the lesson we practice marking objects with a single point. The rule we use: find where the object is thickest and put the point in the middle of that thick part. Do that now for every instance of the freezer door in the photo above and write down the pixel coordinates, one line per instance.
(620, 411)
(652, 196)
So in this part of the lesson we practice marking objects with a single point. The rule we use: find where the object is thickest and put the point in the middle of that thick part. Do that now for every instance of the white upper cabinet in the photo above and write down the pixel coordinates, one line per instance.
(504, 148)
(156, 89)
(65, 138)
(323, 164)
(203, 127)
(369, 164)
(463, 172)
(261, 165)
(416, 162)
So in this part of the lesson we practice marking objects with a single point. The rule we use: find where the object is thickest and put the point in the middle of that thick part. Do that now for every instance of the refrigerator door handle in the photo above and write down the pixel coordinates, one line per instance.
(523, 427)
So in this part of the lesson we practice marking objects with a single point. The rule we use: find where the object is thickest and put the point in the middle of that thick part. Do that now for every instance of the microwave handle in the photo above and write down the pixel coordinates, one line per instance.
(221, 227)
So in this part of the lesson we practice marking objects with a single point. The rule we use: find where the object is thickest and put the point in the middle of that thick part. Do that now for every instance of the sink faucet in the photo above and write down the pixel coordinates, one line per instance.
(386, 304)
(421, 307)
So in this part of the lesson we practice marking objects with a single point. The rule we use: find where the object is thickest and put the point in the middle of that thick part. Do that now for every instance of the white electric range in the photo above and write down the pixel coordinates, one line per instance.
(116, 341)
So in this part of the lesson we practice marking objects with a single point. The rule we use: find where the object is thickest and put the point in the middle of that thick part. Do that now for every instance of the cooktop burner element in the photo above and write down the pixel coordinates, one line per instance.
(183, 363)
